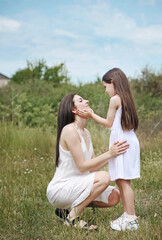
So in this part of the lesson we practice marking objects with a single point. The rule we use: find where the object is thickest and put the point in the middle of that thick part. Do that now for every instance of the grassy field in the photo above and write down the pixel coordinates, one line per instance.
(27, 158)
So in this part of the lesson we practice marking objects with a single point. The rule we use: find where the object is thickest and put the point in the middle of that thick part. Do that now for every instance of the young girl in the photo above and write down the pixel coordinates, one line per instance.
(123, 121)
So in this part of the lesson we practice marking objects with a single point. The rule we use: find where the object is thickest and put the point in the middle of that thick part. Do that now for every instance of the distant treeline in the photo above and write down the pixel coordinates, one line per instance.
(33, 95)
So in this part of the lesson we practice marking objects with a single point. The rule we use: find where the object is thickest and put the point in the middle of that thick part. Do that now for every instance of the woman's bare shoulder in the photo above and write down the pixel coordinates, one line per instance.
(68, 129)
(69, 132)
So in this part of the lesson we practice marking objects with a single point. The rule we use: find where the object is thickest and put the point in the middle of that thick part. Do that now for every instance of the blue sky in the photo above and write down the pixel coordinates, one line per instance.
(91, 37)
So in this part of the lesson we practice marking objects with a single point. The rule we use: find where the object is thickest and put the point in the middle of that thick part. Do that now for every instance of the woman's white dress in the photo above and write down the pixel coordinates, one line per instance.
(127, 165)
(69, 187)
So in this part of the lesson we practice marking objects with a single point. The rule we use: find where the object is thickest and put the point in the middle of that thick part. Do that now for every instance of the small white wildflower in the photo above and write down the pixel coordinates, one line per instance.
(35, 149)
(25, 172)
(41, 158)
(25, 160)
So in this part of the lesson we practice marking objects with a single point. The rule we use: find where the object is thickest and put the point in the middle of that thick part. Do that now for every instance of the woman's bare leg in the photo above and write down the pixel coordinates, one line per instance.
(127, 195)
(113, 200)
(101, 182)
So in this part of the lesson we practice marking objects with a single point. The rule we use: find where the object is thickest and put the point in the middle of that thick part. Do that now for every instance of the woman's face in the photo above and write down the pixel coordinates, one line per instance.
(80, 103)
(109, 88)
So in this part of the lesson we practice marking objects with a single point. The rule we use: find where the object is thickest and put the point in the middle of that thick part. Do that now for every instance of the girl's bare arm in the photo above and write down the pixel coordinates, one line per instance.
(108, 121)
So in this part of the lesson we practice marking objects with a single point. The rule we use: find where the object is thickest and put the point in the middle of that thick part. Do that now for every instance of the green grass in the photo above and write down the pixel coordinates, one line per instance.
(27, 158)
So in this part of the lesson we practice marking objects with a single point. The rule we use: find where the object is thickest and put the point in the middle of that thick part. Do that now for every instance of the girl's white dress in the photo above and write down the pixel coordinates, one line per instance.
(127, 165)
(69, 187)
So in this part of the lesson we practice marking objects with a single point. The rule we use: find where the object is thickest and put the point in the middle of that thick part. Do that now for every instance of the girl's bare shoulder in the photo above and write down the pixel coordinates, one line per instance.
(115, 101)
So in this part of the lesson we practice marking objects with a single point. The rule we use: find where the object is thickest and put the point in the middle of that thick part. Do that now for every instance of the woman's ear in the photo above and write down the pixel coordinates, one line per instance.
(74, 110)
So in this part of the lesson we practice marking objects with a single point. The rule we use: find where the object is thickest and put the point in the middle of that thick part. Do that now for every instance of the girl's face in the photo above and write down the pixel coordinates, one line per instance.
(109, 88)
(80, 103)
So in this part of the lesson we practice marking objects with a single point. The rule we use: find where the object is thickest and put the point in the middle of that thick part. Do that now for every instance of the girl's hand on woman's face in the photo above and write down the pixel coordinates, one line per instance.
(85, 113)
(118, 148)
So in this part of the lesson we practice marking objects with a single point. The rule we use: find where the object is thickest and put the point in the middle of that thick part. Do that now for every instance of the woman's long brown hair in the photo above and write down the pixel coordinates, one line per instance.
(65, 116)
(129, 118)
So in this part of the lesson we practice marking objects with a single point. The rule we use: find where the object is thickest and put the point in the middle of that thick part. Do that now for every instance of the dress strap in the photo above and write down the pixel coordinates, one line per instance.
(78, 131)
(81, 136)
(88, 134)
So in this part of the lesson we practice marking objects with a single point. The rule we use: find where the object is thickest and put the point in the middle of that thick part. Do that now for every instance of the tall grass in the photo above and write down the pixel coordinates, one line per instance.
(27, 158)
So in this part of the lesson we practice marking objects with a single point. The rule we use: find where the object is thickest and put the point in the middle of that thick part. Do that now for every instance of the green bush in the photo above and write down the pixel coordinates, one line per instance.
(148, 83)
(33, 103)
(36, 101)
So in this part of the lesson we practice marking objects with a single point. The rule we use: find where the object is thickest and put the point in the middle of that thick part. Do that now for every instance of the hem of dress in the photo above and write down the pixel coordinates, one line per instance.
(86, 194)
(99, 198)
(125, 178)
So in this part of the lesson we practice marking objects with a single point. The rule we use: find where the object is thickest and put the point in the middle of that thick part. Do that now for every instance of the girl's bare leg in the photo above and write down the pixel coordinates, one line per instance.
(127, 195)
(122, 197)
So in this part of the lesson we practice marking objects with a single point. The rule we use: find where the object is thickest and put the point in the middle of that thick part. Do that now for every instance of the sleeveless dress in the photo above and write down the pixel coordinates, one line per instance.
(69, 187)
(127, 165)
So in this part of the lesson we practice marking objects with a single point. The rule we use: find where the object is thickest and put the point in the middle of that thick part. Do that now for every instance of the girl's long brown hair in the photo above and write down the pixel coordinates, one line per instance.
(129, 118)
(65, 116)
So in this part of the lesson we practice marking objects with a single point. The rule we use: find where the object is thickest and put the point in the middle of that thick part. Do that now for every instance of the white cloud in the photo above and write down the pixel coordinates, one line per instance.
(147, 2)
(119, 26)
(88, 39)
(8, 25)
(64, 33)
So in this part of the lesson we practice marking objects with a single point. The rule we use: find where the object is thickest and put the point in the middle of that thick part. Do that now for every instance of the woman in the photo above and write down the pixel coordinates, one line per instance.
(76, 184)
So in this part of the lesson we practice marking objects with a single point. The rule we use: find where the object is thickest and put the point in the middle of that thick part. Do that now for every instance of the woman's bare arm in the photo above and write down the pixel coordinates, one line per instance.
(71, 139)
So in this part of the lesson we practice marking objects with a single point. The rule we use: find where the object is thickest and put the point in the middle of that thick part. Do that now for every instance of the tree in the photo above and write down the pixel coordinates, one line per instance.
(57, 74)
(31, 72)
(40, 71)
(38, 68)
(22, 76)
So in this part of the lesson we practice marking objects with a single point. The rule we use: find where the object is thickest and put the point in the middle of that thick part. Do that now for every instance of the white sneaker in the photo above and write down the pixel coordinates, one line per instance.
(119, 220)
(125, 223)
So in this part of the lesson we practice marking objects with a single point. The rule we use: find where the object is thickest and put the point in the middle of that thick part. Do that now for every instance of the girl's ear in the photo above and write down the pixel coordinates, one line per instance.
(74, 110)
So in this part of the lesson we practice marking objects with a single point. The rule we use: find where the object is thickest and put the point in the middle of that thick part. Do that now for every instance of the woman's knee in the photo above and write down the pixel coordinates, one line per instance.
(102, 177)
(114, 198)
